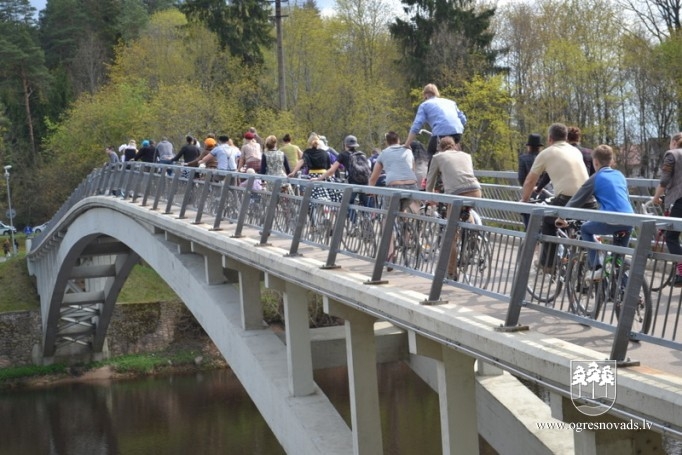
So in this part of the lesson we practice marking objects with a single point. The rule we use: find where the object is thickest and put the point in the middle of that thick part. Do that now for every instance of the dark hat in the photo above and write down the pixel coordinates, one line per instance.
(534, 140)
(351, 141)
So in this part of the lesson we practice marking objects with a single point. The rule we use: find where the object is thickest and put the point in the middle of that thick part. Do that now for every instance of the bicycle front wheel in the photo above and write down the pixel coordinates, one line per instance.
(643, 310)
(475, 259)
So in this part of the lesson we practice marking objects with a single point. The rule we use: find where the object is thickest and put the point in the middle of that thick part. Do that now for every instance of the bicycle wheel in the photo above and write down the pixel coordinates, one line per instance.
(406, 243)
(546, 283)
(643, 312)
(360, 236)
(475, 259)
(585, 296)
(286, 216)
(666, 281)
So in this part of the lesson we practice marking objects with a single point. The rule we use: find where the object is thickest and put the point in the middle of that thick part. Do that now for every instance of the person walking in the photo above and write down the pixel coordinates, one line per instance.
(146, 153)
(164, 151)
(111, 155)
(188, 152)
(442, 115)
(671, 185)
(566, 169)
(292, 152)
(358, 169)
(251, 153)
(274, 161)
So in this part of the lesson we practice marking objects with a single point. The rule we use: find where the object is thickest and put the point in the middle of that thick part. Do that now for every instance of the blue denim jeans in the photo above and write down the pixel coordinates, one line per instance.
(621, 237)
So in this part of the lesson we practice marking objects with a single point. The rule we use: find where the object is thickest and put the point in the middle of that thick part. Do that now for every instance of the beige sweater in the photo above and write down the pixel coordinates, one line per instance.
(455, 169)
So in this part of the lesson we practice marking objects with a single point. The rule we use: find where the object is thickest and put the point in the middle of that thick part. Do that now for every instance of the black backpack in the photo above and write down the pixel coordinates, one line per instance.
(359, 168)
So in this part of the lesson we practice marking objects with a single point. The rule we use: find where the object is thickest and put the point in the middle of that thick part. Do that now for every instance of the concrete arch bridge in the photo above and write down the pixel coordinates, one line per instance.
(214, 238)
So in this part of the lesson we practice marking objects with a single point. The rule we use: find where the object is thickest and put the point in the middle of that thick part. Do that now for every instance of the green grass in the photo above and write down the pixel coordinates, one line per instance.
(148, 363)
(145, 285)
(17, 289)
(142, 364)
(27, 371)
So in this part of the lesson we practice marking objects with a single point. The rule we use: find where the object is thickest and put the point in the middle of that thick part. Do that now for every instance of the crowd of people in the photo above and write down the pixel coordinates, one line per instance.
(578, 176)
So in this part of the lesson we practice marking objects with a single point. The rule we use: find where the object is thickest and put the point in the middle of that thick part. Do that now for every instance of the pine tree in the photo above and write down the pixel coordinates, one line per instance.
(444, 41)
(242, 26)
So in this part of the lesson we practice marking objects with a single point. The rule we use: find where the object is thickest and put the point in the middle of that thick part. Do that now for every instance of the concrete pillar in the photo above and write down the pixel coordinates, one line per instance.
(487, 369)
(611, 435)
(296, 321)
(250, 303)
(456, 394)
(362, 377)
(213, 265)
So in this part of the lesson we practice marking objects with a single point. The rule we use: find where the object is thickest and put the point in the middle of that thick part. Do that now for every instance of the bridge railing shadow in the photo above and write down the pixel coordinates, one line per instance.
(495, 258)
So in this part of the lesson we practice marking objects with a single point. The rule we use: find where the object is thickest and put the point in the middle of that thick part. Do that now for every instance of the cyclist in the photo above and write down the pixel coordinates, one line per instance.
(456, 170)
(610, 188)
(441, 114)
(566, 169)
(398, 162)
(671, 185)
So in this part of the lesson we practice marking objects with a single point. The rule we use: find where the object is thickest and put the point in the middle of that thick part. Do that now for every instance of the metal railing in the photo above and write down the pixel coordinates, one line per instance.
(495, 258)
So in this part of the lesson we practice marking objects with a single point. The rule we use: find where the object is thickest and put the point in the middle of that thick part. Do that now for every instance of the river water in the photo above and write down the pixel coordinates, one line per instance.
(204, 413)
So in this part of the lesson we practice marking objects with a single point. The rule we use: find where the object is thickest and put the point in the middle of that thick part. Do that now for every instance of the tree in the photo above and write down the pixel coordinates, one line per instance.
(661, 18)
(242, 26)
(23, 73)
(442, 35)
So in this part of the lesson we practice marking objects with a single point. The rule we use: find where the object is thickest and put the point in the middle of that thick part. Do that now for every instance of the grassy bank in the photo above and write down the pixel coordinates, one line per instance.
(175, 360)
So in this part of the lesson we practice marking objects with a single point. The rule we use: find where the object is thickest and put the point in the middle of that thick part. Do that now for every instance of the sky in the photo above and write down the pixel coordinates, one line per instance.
(38, 4)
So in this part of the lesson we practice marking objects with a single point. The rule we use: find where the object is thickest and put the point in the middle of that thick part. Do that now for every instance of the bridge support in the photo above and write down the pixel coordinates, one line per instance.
(456, 392)
(299, 351)
(251, 306)
(614, 437)
(362, 377)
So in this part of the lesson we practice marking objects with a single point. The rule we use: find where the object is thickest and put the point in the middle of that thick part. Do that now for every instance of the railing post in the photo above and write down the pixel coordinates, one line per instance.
(148, 187)
(201, 203)
(244, 208)
(338, 231)
(444, 255)
(224, 191)
(523, 265)
(627, 311)
(189, 189)
(276, 190)
(138, 175)
(301, 221)
(386, 239)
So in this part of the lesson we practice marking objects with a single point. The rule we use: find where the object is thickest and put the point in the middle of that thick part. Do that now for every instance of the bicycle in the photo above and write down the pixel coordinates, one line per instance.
(546, 282)
(589, 291)
(361, 231)
(475, 254)
(648, 208)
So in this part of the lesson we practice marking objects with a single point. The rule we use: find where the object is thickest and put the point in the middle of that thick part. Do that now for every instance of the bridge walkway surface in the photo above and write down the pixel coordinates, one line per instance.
(198, 261)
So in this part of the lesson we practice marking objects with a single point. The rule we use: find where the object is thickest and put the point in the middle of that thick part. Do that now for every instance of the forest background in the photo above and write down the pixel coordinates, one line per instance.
(84, 74)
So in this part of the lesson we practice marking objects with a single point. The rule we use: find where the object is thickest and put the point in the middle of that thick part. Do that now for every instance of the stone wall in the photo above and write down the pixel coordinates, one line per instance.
(134, 328)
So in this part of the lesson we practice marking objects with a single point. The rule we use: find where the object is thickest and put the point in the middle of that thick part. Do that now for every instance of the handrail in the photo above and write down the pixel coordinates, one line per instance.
(491, 262)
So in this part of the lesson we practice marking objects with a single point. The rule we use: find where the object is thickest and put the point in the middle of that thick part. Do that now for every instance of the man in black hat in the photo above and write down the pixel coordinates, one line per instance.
(526, 160)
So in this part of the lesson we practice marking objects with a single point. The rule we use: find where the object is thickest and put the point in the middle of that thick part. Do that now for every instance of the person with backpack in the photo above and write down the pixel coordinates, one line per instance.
(358, 168)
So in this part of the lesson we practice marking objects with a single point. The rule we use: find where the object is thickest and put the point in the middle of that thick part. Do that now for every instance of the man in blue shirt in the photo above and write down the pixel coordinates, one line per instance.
(610, 189)
(442, 115)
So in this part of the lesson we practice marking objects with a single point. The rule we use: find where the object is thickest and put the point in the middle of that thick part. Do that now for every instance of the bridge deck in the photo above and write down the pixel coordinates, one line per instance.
(650, 355)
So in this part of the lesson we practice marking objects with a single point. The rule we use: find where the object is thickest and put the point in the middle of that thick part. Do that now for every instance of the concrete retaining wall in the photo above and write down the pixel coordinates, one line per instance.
(135, 328)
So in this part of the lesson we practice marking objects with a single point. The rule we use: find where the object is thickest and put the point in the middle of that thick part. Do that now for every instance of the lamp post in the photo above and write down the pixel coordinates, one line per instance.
(11, 214)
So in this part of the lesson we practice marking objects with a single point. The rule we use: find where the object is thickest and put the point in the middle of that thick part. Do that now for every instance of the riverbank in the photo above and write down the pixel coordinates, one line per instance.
(180, 358)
